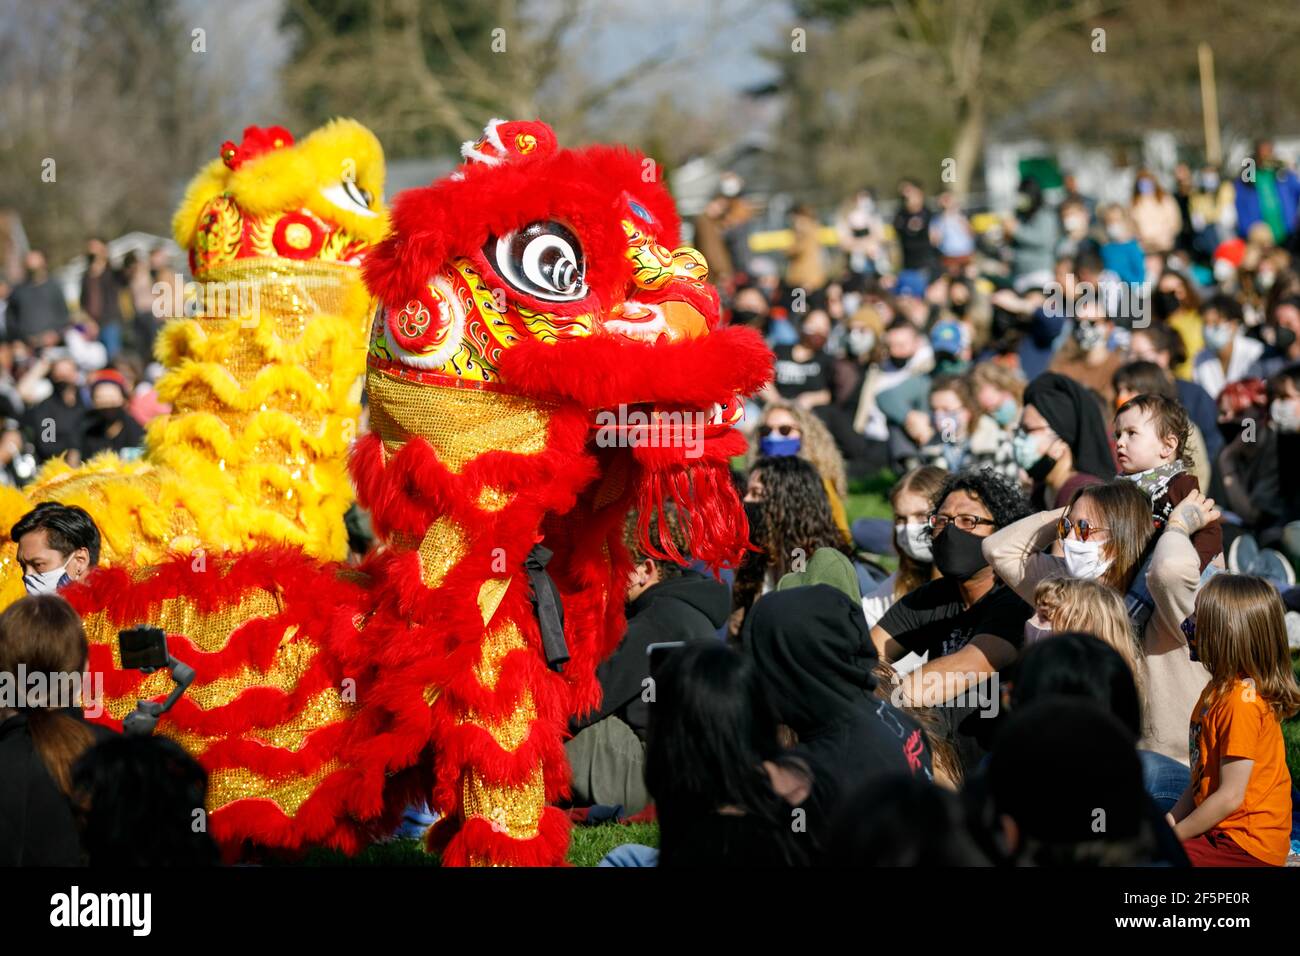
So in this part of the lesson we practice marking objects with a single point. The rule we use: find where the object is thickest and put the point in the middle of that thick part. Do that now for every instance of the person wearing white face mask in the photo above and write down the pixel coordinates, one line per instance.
(912, 501)
(1106, 534)
(57, 544)
(962, 437)
(1229, 353)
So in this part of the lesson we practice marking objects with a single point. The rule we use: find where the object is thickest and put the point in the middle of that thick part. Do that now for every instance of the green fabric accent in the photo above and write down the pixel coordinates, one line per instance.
(826, 566)
(1270, 204)
(608, 764)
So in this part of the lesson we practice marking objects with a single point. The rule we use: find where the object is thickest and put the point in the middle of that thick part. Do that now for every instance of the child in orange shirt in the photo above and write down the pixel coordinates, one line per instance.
(1237, 810)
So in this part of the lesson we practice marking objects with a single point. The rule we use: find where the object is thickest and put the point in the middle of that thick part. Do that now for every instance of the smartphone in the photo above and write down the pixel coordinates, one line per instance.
(142, 648)
(659, 652)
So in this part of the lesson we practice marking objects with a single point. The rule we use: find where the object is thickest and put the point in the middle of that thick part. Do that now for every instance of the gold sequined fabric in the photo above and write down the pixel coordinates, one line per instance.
(490, 594)
(460, 423)
(288, 793)
(513, 810)
(441, 549)
(323, 708)
(516, 811)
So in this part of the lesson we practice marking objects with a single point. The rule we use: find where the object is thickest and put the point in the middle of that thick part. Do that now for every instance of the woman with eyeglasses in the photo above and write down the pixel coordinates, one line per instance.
(967, 621)
(1105, 533)
(1061, 443)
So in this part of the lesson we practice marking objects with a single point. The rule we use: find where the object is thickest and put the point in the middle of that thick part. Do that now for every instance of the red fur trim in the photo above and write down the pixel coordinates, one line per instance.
(690, 373)
(713, 519)
(478, 839)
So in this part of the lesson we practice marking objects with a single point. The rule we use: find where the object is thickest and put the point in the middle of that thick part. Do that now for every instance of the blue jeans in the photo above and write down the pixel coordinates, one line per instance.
(416, 819)
(111, 337)
(631, 854)
(1164, 778)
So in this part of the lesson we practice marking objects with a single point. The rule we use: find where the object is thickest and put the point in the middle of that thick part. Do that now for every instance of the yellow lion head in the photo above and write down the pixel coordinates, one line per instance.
(271, 198)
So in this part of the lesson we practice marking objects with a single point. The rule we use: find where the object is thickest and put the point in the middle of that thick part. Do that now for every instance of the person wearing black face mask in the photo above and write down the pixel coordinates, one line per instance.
(56, 425)
(968, 623)
(749, 306)
(803, 372)
(1247, 478)
(109, 426)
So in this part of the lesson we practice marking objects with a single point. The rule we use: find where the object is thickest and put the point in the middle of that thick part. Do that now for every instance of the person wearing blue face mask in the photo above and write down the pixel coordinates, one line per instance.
(786, 430)
(57, 544)
(778, 440)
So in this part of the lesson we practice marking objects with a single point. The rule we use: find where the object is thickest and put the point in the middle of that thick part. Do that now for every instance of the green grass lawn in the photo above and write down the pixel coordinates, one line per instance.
(870, 498)
(587, 846)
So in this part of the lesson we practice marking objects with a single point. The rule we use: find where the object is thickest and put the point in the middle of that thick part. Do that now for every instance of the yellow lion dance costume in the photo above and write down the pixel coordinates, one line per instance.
(265, 376)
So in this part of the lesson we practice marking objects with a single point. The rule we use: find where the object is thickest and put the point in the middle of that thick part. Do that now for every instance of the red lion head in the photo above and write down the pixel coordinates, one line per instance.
(558, 274)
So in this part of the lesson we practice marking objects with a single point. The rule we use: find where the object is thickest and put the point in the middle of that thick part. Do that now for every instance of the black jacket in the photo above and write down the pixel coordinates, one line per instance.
(689, 607)
(36, 823)
(67, 433)
(35, 308)
(98, 436)
(814, 655)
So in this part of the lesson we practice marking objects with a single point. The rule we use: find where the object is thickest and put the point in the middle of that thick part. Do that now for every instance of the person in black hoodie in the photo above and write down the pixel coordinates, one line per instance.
(814, 656)
(666, 603)
(57, 425)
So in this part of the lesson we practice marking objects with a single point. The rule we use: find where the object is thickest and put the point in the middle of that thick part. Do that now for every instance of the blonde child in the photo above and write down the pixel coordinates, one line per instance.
(1151, 434)
(1237, 810)
(1064, 604)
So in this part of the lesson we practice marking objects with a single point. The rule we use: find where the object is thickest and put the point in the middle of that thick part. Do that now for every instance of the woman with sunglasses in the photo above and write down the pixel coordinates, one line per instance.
(1106, 534)
(967, 621)
(787, 429)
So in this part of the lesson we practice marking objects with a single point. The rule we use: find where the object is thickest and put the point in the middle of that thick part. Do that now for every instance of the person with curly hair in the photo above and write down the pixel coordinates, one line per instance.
(967, 621)
(787, 429)
(789, 519)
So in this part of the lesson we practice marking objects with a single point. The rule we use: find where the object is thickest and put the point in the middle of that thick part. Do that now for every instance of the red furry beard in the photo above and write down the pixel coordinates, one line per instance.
(704, 496)
(606, 371)
(609, 373)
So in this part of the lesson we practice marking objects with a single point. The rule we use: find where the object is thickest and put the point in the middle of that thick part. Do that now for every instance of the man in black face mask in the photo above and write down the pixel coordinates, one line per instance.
(56, 425)
(968, 623)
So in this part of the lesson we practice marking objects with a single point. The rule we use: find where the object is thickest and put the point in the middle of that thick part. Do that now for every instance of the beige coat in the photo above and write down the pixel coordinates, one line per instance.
(1173, 680)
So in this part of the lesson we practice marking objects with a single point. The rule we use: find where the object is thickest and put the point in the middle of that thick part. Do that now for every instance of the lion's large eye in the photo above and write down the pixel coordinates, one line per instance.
(348, 195)
(543, 260)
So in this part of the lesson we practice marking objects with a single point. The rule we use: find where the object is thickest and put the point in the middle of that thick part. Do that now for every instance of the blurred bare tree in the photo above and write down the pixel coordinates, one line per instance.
(106, 106)
(886, 88)
(426, 76)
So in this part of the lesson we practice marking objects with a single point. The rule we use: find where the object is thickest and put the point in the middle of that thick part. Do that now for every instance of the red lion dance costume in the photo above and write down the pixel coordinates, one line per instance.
(524, 301)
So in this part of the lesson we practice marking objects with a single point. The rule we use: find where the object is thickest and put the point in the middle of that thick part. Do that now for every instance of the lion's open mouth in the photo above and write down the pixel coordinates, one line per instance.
(657, 322)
